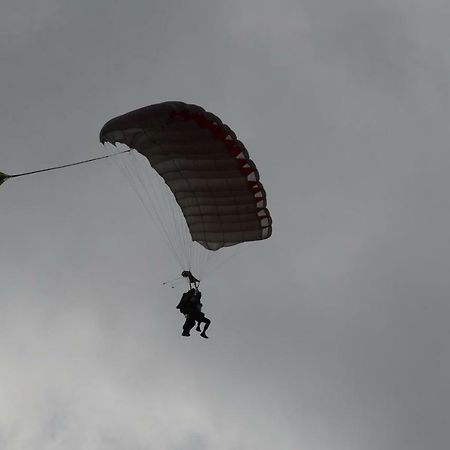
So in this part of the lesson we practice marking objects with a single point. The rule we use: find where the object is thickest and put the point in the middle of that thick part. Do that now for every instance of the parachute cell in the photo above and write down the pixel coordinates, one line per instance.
(206, 167)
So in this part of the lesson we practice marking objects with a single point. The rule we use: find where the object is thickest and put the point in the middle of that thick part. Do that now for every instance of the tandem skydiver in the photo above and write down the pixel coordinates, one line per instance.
(191, 307)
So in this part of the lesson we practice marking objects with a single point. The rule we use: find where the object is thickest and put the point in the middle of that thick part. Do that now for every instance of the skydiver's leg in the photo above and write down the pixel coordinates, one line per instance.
(199, 316)
(207, 323)
(188, 325)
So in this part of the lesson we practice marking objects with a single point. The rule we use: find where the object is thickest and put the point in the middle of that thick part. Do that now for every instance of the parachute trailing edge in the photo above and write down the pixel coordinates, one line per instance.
(206, 167)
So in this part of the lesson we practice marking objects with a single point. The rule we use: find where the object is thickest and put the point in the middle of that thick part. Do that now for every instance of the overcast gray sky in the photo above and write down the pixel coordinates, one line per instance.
(332, 334)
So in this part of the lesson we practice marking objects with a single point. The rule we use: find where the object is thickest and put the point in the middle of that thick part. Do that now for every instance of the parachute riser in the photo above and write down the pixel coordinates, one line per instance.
(193, 282)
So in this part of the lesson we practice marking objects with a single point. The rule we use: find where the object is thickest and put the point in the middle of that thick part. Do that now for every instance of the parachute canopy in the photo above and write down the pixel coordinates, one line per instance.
(206, 167)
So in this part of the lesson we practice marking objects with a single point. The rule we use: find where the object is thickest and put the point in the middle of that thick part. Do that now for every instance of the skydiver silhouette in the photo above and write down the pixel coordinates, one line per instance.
(191, 307)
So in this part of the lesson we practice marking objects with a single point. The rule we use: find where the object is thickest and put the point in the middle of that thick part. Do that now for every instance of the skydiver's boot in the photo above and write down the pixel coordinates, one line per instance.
(185, 333)
(203, 335)
(198, 327)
